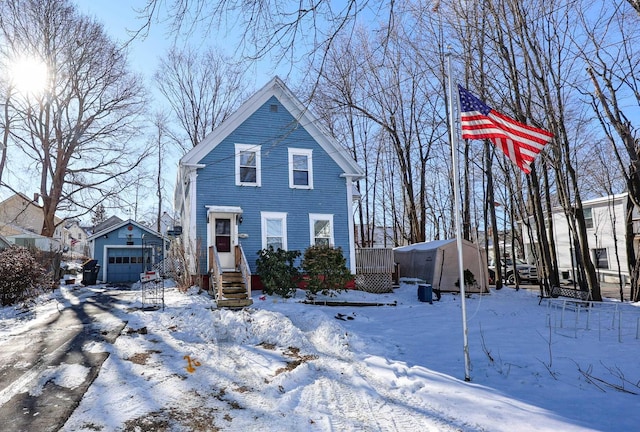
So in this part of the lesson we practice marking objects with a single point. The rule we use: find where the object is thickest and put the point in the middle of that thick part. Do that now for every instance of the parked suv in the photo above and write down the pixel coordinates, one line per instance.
(526, 272)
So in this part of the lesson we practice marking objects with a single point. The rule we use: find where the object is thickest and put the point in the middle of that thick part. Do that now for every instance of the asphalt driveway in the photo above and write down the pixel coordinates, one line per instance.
(28, 400)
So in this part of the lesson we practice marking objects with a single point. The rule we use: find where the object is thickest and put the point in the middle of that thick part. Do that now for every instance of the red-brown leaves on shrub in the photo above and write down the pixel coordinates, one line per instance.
(20, 275)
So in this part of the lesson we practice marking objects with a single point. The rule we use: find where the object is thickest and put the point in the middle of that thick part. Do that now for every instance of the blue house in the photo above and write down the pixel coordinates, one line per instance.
(269, 175)
(125, 250)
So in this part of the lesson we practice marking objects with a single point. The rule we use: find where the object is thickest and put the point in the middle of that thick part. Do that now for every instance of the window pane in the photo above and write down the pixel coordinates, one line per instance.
(275, 242)
(322, 228)
(601, 261)
(274, 228)
(247, 159)
(247, 175)
(322, 242)
(125, 260)
(300, 162)
(223, 235)
(301, 178)
(588, 218)
(223, 226)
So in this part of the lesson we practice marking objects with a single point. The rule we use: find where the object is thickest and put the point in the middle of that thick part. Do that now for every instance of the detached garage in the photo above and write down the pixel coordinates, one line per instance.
(125, 250)
(436, 263)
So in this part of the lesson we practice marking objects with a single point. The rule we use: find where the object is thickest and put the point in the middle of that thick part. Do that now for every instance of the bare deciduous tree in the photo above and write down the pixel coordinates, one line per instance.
(202, 90)
(614, 72)
(77, 131)
(289, 31)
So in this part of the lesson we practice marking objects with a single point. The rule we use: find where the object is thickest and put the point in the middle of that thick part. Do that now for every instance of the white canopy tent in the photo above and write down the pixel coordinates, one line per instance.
(436, 263)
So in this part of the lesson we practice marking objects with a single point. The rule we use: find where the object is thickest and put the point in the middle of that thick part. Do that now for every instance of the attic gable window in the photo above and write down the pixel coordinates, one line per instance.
(248, 165)
(300, 168)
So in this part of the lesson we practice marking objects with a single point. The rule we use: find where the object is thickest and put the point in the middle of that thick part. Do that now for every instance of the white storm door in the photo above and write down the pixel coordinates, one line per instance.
(225, 238)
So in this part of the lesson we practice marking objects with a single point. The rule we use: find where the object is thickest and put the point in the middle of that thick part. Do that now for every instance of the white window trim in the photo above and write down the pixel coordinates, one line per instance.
(313, 217)
(590, 218)
(239, 148)
(301, 152)
(264, 216)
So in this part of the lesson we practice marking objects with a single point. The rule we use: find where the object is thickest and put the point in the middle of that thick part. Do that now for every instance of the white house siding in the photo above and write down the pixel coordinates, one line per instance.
(607, 219)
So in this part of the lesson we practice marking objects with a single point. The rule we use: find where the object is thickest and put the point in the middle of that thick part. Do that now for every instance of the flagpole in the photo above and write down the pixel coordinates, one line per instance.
(456, 194)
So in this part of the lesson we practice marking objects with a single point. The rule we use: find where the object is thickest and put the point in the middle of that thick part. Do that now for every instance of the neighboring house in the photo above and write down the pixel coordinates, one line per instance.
(75, 238)
(605, 222)
(383, 237)
(269, 175)
(109, 222)
(166, 223)
(125, 250)
(21, 221)
(25, 238)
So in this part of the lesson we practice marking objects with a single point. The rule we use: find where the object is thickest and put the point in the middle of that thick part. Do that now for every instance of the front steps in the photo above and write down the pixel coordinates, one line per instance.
(234, 291)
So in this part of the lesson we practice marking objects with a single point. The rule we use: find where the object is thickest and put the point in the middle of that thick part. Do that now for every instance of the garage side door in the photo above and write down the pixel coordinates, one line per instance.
(125, 265)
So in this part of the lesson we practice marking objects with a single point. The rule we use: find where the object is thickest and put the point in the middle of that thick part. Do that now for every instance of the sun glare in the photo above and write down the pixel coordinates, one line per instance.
(29, 75)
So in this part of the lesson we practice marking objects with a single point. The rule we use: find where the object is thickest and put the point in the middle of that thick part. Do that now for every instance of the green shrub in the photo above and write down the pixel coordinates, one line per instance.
(277, 271)
(20, 275)
(326, 270)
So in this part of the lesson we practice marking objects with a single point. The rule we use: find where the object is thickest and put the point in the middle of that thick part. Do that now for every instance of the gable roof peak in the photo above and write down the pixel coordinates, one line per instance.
(276, 87)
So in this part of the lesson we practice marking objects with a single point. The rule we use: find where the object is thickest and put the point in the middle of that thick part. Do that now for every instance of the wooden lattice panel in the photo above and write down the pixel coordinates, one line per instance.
(374, 282)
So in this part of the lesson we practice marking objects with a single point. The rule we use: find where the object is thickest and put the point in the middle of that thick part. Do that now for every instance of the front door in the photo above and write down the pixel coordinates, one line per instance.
(224, 237)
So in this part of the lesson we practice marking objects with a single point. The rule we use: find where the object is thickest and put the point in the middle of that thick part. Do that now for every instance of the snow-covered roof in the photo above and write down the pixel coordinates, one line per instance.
(435, 244)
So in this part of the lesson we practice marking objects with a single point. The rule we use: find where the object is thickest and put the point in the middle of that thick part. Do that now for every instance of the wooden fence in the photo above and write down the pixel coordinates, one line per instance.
(374, 269)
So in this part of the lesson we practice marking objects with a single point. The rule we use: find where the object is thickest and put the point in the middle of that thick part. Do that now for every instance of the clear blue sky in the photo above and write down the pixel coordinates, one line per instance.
(119, 18)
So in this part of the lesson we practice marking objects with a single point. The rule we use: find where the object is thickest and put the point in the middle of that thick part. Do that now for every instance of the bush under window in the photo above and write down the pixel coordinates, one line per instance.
(278, 272)
(326, 270)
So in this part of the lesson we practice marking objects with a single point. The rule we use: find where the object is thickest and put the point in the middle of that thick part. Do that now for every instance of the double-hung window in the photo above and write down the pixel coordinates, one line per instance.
(588, 217)
(600, 258)
(300, 168)
(274, 230)
(248, 165)
(321, 229)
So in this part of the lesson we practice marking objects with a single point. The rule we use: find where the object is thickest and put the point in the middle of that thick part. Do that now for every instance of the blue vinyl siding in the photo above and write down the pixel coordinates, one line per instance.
(275, 132)
(116, 243)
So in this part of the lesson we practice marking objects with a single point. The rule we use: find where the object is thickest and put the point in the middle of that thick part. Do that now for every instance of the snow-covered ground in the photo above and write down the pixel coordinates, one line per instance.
(286, 366)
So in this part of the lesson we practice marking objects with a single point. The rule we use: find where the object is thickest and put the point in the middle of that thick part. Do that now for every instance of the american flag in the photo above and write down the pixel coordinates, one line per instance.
(521, 143)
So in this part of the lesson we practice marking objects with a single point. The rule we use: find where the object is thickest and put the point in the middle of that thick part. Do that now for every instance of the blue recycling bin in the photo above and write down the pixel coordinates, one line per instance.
(425, 293)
